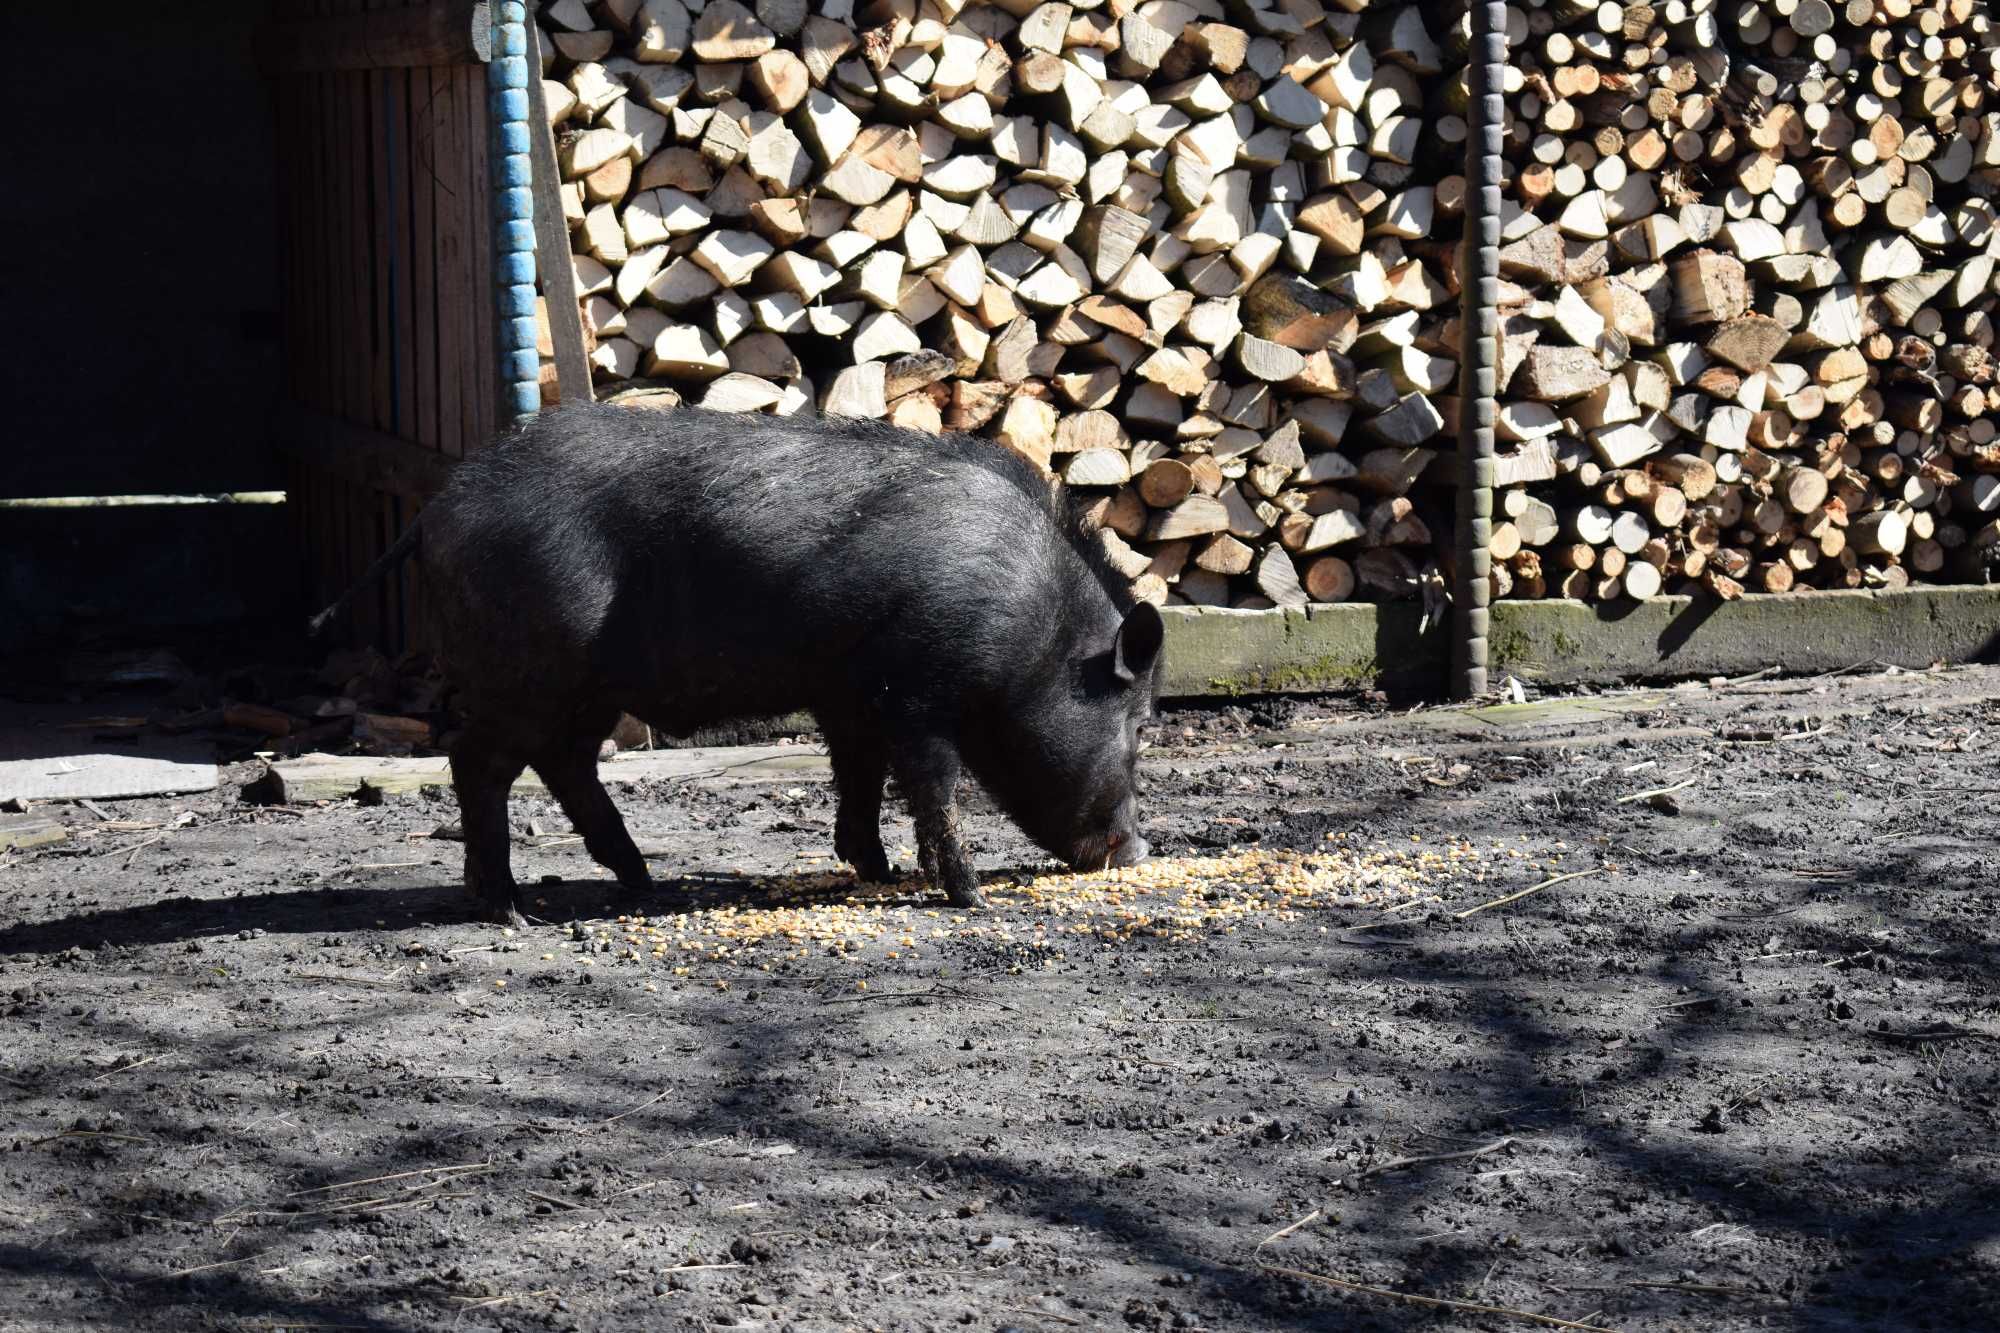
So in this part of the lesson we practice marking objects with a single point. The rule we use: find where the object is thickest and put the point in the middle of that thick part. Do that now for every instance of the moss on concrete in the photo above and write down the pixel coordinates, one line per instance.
(1507, 642)
(1330, 672)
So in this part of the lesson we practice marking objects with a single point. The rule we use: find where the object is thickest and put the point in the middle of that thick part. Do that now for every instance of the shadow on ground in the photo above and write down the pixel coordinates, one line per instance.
(1681, 1092)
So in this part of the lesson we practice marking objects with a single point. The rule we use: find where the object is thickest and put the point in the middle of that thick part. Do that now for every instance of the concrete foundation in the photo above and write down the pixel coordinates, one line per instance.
(1224, 653)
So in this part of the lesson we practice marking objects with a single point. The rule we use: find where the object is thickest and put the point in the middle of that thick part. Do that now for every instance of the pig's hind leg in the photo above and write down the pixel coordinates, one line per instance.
(483, 769)
(568, 766)
(860, 763)
(927, 767)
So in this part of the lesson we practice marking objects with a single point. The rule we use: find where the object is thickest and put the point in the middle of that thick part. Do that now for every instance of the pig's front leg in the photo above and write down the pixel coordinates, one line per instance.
(928, 771)
(569, 769)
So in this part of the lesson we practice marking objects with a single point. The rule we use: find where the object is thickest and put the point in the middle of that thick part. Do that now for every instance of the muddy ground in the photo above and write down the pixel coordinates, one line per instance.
(259, 1069)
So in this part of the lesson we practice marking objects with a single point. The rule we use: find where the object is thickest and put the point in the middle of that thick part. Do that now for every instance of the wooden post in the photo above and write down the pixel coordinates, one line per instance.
(552, 256)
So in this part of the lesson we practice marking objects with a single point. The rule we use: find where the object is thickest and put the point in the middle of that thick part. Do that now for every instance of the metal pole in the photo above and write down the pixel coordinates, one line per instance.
(1479, 327)
(512, 174)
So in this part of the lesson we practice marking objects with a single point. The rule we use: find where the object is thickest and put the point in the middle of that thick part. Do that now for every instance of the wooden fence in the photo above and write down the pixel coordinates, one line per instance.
(381, 109)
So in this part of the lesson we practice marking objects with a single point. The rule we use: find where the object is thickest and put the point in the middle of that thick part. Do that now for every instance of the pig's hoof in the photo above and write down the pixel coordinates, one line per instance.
(965, 897)
(504, 914)
(870, 867)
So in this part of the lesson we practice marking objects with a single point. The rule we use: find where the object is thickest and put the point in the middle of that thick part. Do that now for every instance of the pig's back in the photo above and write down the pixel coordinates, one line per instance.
(685, 548)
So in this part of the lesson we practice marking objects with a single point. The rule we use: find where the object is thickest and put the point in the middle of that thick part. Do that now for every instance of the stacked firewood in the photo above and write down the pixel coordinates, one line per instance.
(1197, 259)
(1751, 264)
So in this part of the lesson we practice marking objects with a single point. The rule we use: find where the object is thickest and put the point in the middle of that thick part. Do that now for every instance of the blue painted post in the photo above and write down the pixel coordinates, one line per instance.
(507, 76)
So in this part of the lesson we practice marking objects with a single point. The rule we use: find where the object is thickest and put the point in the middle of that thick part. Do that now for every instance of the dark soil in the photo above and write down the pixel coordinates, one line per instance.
(258, 1071)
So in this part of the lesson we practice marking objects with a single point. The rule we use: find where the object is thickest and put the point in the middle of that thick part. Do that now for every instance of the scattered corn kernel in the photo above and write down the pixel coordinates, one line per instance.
(1180, 899)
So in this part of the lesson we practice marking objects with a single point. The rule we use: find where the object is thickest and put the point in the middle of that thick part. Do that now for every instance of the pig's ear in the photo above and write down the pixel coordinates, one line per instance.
(1139, 640)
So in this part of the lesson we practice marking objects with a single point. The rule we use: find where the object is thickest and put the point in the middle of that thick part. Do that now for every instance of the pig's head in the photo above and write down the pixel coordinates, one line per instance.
(1066, 765)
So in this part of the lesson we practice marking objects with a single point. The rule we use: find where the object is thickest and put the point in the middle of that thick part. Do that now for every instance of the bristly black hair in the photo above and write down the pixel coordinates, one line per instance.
(1068, 509)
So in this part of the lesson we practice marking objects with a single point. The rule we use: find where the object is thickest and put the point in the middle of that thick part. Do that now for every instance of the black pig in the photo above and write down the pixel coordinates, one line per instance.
(928, 599)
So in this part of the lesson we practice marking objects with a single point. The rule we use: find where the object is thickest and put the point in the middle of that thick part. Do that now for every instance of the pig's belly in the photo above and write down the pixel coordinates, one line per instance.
(689, 696)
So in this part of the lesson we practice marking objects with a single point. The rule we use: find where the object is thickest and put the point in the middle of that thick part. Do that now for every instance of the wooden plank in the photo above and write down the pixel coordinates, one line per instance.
(375, 529)
(356, 254)
(298, 515)
(351, 326)
(416, 616)
(484, 378)
(364, 505)
(284, 129)
(312, 153)
(333, 217)
(372, 391)
(402, 177)
(302, 150)
(359, 456)
(423, 258)
(399, 583)
(339, 273)
(402, 302)
(326, 380)
(552, 254)
(340, 341)
(341, 360)
(421, 333)
(325, 368)
(332, 368)
(439, 32)
(448, 258)
(293, 97)
(393, 237)
(374, 147)
(23, 831)
(381, 238)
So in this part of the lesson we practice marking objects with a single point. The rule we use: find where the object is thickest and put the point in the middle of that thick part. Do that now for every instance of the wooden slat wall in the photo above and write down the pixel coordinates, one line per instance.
(389, 319)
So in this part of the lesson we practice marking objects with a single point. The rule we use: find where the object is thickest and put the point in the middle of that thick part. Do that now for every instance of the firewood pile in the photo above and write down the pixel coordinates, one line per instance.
(1198, 258)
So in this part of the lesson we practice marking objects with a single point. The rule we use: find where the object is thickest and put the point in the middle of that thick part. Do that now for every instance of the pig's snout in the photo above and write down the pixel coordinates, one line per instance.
(1127, 851)
(1112, 850)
